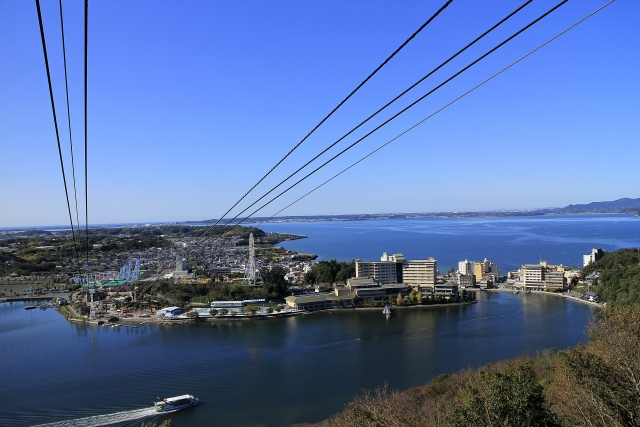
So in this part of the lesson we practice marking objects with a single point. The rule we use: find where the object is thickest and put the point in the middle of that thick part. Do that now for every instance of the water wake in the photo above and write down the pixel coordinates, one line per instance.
(106, 419)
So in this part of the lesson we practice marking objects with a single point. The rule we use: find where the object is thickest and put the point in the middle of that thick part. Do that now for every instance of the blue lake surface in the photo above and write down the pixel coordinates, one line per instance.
(270, 373)
(506, 241)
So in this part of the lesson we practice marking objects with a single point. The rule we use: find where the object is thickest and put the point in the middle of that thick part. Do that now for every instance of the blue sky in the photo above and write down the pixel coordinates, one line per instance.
(190, 103)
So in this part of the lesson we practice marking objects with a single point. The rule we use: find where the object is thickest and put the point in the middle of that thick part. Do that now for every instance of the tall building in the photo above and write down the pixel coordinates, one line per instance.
(387, 270)
(542, 276)
(595, 255)
(420, 274)
(379, 271)
(465, 267)
(485, 270)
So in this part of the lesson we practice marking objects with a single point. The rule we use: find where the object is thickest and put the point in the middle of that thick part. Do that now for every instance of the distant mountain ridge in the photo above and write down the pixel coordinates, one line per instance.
(620, 206)
(625, 205)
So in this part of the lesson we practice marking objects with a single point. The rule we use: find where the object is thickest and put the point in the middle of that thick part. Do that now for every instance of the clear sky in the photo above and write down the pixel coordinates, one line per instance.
(191, 102)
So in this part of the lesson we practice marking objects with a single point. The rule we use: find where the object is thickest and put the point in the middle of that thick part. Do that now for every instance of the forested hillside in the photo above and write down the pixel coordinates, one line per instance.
(594, 385)
(619, 277)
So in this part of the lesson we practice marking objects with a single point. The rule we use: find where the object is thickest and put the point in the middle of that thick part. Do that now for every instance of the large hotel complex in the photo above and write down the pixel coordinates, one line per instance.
(393, 276)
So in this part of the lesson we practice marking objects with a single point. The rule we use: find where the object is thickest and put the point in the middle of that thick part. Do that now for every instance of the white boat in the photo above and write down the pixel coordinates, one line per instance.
(175, 403)
(386, 311)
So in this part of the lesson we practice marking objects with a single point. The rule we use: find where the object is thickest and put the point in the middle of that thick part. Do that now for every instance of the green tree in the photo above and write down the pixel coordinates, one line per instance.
(330, 272)
(419, 298)
(224, 311)
(213, 312)
(413, 296)
(274, 282)
(510, 397)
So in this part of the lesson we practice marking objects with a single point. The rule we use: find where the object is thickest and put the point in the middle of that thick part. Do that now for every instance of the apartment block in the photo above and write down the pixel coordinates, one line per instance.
(595, 255)
(485, 270)
(386, 271)
(420, 274)
(542, 276)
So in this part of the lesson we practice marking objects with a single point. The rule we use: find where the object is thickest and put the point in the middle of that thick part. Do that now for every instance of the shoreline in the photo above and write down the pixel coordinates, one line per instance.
(554, 294)
(76, 318)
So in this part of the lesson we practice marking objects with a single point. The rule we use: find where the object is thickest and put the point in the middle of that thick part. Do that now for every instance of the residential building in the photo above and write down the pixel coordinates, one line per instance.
(595, 255)
(542, 276)
(465, 267)
(446, 289)
(420, 274)
(485, 270)
(314, 302)
(466, 280)
(380, 271)
(387, 270)
(364, 288)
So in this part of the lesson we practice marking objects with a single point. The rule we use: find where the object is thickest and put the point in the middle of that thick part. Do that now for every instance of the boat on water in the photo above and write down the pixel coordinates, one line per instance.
(175, 403)
(387, 311)
(516, 292)
(30, 307)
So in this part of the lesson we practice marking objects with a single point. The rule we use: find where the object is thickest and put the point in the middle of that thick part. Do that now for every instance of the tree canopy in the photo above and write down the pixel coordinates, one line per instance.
(619, 280)
(331, 271)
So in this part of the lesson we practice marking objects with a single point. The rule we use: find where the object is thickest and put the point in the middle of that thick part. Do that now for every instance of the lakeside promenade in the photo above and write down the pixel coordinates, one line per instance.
(553, 294)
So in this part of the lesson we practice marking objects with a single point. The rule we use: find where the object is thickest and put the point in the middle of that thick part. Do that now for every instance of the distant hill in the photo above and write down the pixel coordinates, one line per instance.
(625, 205)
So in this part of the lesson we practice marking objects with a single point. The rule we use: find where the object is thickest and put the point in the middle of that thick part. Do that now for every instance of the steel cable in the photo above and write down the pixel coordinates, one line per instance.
(55, 122)
(438, 111)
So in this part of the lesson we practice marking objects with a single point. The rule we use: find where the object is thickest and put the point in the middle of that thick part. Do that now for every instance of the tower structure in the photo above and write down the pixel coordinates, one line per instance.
(251, 272)
(92, 313)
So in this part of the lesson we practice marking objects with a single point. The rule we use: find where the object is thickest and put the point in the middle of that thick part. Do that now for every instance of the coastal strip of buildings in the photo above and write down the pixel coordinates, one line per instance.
(382, 281)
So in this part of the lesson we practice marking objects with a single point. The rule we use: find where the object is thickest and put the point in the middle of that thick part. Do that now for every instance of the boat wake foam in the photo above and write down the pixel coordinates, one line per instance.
(106, 419)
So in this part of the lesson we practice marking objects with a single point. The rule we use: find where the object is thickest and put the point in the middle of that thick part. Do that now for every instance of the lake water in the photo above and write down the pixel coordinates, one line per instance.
(271, 373)
(303, 368)
(506, 241)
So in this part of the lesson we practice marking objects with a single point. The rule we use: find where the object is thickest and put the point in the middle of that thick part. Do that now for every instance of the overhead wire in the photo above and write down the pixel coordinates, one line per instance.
(86, 151)
(427, 22)
(515, 11)
(55, 121)
(388, 120)
(439, 110)
(411, 105)
(386, 105)
(66, 89)
(200, 239)
(404, 110)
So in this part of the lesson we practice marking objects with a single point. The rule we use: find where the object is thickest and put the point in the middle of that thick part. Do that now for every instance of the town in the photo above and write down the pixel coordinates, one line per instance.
(239, 275)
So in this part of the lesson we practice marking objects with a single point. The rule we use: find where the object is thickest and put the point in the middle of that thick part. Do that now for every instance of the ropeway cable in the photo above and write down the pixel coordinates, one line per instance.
(86, 152)
(384, 123)
(55, 122)
(427, 22)
(438, 111)
(402, 111)
(327, 117)
(66, 89)
(199, 240)
(399, 113)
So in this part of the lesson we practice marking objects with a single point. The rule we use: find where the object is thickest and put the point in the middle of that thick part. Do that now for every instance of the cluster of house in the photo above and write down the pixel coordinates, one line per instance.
(473, 274)
(546, 277)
